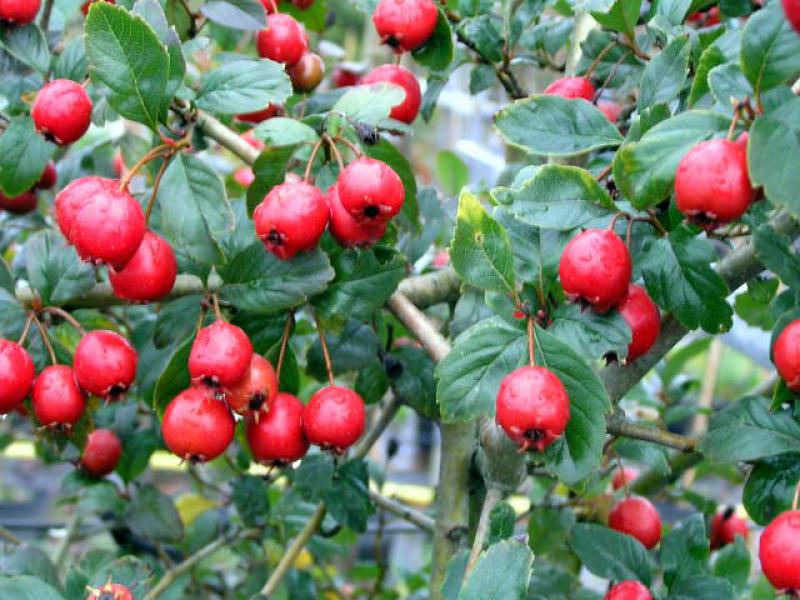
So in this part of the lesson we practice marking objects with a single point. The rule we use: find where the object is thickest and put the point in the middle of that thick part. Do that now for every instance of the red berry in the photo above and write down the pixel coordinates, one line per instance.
(334, 418)
(344, 77)
(307, 73)
(252, 140)
(370, 190)
(405, 25)
(408, 109)
(532, 407)
(257, 390)
(779, 552)
(105, 224)
(786, 355)
(611, 110)
(111, 591)
(101, 453)
(638, 518)
(149, 275)
(628, 590)
(19, 205)
(291, 219)
(62, 111)
(345, 229)
(16, 375)
(272, 110)
(48, 177)
(271, 6)
(220, 355)
(623, 477)
(442, 259)
(105, 364)
(303, 4)
(244, 176)
(57, 399)
(19, 11)
(706, 18)
(725, 526)
(596, 267)
(743, 139)
(118, 164)
(792, 10)
(642, 316)
(283, 41)
(197, 426)
(572, 87)
(85, 6)
(712, 185)
(277, 438)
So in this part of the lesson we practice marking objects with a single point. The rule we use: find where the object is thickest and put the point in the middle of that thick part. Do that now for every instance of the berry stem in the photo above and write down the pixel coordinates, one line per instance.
(149, 156)
(796, 501)
(54, 310)
(310, 163)
(215, 307)
(622, 475)
(46, 341)
(27, 328)
(620, 215)
(734, 122)
(531, 339)
(611, 75)
(287, 330)
(325, 352)
(351, 146)
(337, 155)
(598, 58)
(161, 170)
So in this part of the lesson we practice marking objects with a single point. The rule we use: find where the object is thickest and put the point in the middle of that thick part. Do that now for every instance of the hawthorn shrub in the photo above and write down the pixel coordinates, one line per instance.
(212, 248)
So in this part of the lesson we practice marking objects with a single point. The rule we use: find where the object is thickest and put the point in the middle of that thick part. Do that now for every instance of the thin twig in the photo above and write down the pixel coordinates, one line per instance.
(27, 328)
(351, 146)
(531, 338)
(54, 310)
(287, 329)
(46, 341)
(796, 500)
(9, 537)
(326, 355)
(493, 497)
(403, 511)
(621, 427)
(310, 163)
(215, 307)
(150, 203)
(44, 23)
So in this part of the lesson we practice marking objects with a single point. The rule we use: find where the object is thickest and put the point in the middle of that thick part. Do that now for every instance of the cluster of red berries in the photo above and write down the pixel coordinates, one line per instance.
(227, 376)
(284, 40)
(595, 268)
(27, 201)
(107, 226)
(293, 216)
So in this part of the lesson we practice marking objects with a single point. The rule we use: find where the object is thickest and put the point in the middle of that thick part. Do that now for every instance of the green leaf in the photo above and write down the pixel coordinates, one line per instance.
(438, 51)
(481, 251)
(28, 560)
(452, 172)
(25, 587)
(593, 335)
(282, 131)
(755, 305)
(12, 315)
(645, 170)
(621, 16)
(138, 447)
(558, 197)
(176, 320)
(364, 281)
(243, 86)
(6, 278)
(727, 83)
(415, 385)
(54, 269)
(249, 495)
(482, 33)
(368, 104)
(314, 475)
(652, 455)
(710, 58)
(525, 246)
(773, 154)
(702, 587)
(195, 213)
(665, 74)
(576, 453)
(502, 571)
(247, 15)
(733, 564)
(72, 62)
(747, 430)
(27, 43)
(555, 126)
(348, 499)
(684, 550)
(549, 531)
(126, 56)
(385, 151)
(610, 554)
(152, 515)
(775, 252)
(769, 489)
(469, 377)
(674, 11)
(23, 156)
(354, 348)
(770, 51)
(154, 15)
(501, 523)
(313, 18)
(257, 281)
(174, 378)
(678, 274)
